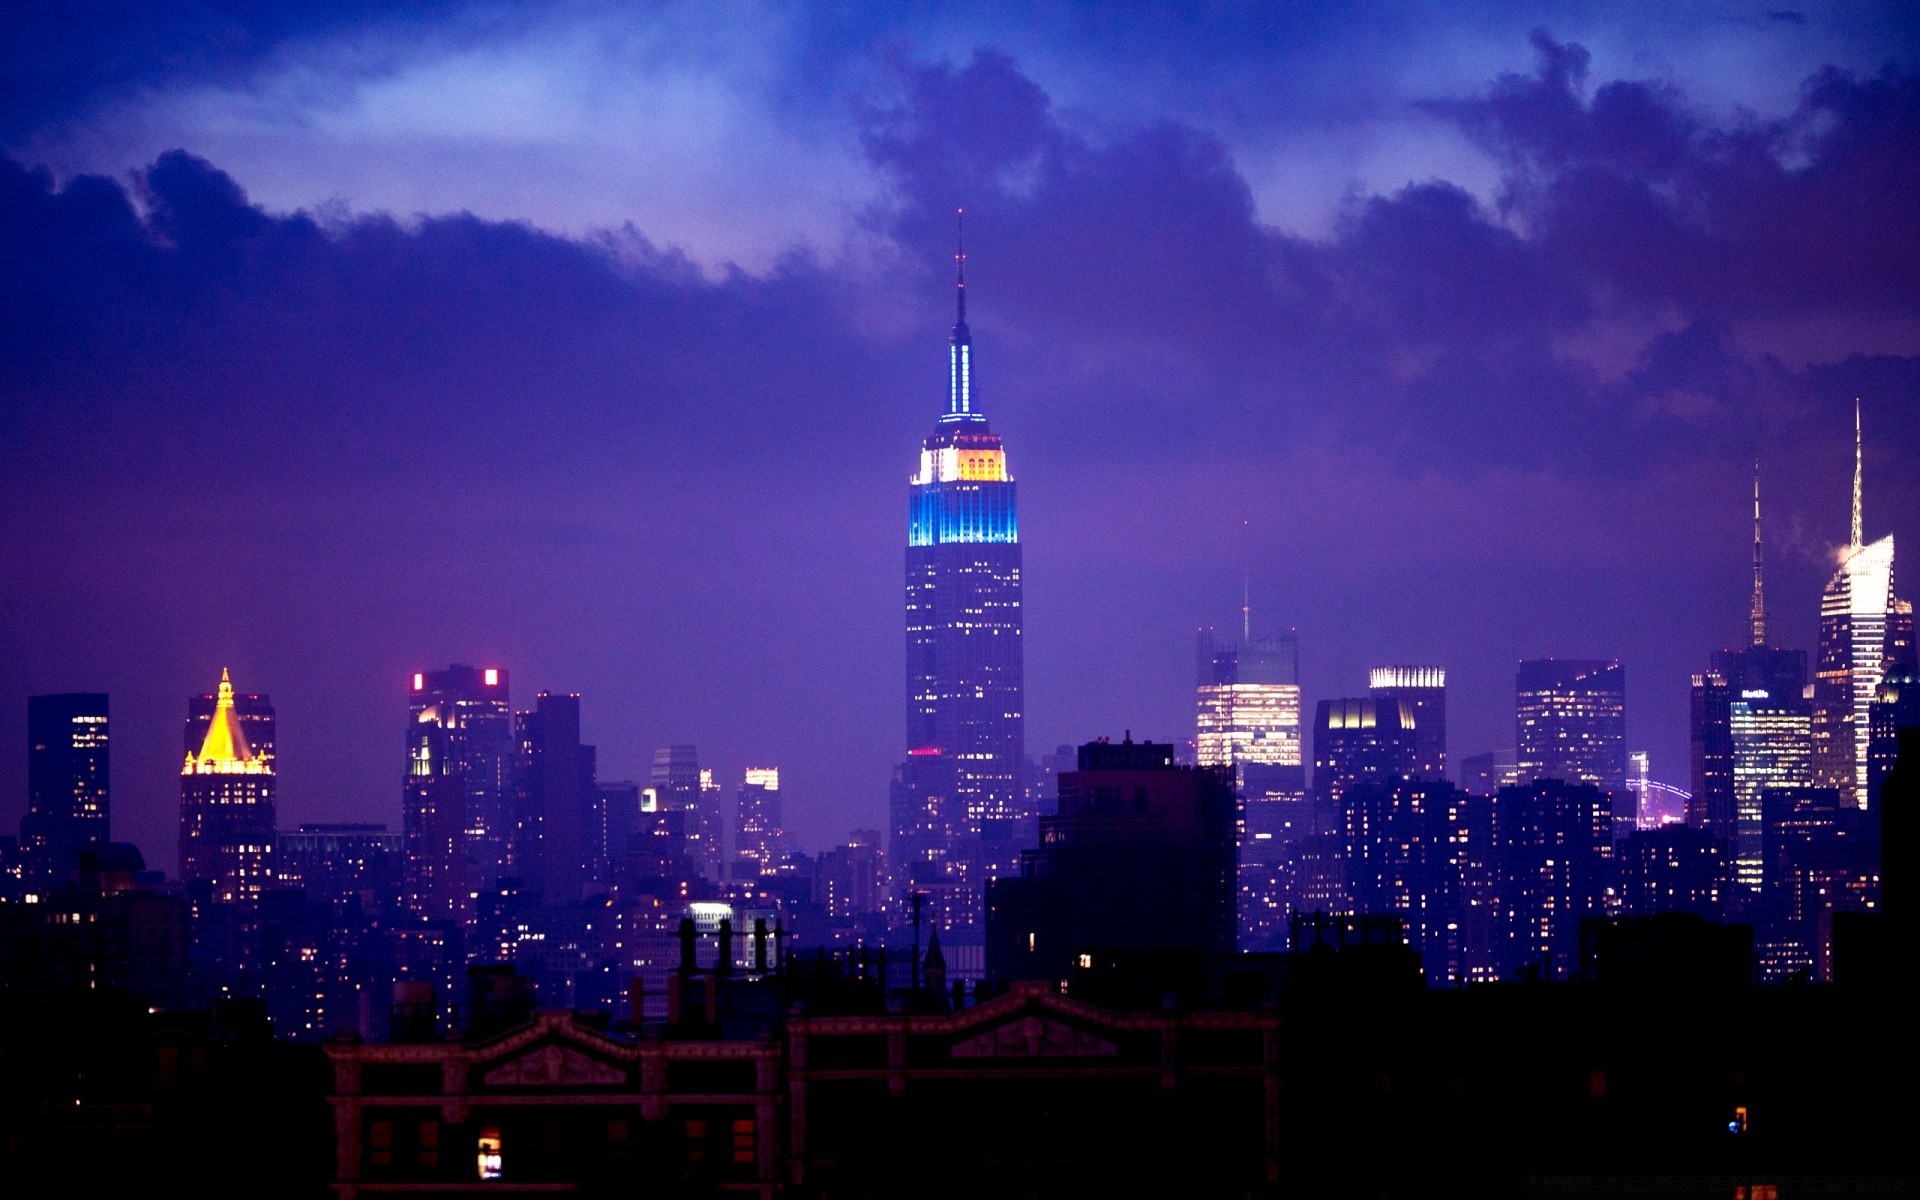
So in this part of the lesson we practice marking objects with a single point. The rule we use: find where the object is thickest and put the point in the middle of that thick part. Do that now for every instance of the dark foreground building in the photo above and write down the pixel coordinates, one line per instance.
(1139, 855)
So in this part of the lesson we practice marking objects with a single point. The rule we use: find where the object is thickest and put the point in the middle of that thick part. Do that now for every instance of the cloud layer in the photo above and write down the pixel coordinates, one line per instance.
(328, 449)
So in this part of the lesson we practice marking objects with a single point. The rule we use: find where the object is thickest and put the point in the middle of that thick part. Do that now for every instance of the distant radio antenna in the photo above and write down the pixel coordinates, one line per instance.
(1759, 612)
(1246, 582)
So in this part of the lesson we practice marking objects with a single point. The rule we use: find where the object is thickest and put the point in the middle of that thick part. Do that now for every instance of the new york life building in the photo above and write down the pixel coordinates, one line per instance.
(957, 806)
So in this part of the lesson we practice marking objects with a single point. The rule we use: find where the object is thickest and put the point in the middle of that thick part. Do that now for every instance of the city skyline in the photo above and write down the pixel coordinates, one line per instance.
(698, 542)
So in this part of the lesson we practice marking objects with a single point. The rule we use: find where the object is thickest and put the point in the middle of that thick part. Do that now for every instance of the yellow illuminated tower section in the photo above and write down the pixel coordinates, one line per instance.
(226, 807)
(965, 720)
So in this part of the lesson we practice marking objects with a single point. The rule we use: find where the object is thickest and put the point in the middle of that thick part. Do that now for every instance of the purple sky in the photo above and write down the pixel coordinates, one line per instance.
(597, 342)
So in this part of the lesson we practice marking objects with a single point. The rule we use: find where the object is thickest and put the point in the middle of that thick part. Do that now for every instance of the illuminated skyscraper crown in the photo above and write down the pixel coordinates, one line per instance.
(962, 491)
(224, 750)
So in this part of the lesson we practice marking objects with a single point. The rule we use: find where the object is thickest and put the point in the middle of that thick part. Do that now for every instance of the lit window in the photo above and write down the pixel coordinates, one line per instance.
(489, 1155)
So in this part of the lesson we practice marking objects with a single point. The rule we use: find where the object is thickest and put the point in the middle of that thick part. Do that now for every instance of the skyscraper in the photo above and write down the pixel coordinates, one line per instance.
(67, 796)
(1771, 750)
(757, 834)
(1860, 621)
(227, 802)
(1424, 691)
(685, 813)
(1366, 738)
(557, 835)
(1571, 724)
(457, 805)
(1248, 718)
(965, 716)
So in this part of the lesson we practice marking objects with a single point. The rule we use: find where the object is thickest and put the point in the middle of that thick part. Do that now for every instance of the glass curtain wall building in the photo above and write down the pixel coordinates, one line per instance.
(1862, 625)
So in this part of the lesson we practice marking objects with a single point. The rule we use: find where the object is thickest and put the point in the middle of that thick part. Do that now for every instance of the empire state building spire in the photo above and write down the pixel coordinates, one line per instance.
(960, 355)
(1759, 611)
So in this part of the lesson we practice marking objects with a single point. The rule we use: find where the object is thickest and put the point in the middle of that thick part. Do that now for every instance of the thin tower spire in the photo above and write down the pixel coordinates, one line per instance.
(1759, 613)
(960, 353)
(1246, 582)
(960, 261)
(1857, 467)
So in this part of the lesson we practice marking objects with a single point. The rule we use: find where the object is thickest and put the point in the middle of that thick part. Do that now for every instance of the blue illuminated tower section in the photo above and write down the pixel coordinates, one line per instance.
(965, 728)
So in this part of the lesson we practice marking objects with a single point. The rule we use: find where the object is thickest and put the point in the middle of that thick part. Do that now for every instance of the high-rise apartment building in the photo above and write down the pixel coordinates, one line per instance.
(227, 801)
(1551, 842)
(67, 793)
(1862, 625)
(758, 838)
(458, 804)
(1571, 725)
(1406, 852)
(965, 692)
(1423, 690)
(1672, 868)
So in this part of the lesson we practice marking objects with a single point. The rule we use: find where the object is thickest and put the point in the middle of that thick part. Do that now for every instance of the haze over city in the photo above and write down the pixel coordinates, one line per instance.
(596, 343)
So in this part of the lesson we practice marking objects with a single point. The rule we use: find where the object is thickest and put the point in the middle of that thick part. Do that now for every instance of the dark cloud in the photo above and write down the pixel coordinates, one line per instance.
(378, 443)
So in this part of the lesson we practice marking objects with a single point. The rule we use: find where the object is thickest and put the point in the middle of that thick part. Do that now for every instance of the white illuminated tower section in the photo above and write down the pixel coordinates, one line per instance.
(1860, 623)
(965, 725)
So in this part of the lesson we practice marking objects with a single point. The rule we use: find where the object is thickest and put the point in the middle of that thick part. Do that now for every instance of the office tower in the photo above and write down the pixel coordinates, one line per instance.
(1424, 691)
(1405, 850)
(67, 796)
(458, 798)
(1710, 720)
(1248, 718)
(226, 801)
(686, 808)
(1366, 738)
(964, 659)
(616, 823)
(1672, 868)
(1485, 774)
(1772, 748)
(1551, 840)
(1896, 705)
(1139, 856)
(1860, 622)
(1571, 725)
(557, 846)
(758, 838)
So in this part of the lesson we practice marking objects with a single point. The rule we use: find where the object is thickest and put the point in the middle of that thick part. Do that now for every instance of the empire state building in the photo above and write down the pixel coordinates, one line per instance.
(966, 741)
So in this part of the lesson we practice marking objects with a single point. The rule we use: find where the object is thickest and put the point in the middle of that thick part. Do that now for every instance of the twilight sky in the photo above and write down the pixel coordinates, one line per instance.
(595, 341)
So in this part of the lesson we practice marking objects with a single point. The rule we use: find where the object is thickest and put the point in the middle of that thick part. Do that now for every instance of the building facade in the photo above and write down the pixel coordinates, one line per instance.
(68, 805)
